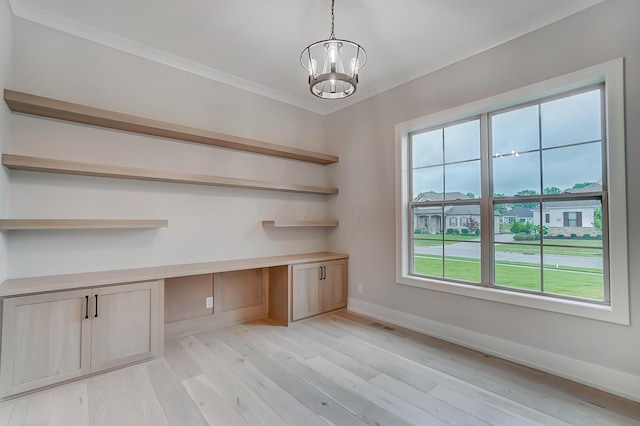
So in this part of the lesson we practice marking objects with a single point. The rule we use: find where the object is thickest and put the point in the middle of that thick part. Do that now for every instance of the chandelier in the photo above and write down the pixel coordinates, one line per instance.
(341, 60)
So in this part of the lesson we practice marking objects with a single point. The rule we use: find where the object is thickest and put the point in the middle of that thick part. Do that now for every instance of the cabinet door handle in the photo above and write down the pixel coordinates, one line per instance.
(320, 273)
(86, 307)
(96, 315)
(323, 272)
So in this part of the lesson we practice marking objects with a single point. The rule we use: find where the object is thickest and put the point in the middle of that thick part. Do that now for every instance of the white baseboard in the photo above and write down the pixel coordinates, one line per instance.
(603, 378)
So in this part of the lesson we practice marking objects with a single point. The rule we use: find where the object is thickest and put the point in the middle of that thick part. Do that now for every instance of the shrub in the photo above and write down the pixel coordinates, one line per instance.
(526, 237)
(417, 231)
(574, 235)
(560, 236)
(586, 236)
(516, 227)
(599, 236)
(452, 231)
(465, 231)
(477, 231)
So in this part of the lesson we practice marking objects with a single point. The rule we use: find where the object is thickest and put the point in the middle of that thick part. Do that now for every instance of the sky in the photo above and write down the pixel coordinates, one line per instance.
(448, 159)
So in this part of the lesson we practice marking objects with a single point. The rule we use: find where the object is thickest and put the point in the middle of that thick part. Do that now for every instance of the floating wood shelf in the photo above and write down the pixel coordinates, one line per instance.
(298, 224)
(18, 224)
(37, 164)
(52, 108)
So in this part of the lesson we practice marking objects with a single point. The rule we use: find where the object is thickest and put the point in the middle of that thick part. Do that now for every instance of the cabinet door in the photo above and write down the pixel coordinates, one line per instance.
(125, 324)
(333, 287)
(304, 299)
(45, 339)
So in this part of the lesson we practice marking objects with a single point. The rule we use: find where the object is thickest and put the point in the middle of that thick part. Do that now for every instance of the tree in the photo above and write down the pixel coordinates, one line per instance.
(524, 193)
(597, 219)
(499, 208)
(552, 190)
(470, 195)
(472, 225)
(581, 185)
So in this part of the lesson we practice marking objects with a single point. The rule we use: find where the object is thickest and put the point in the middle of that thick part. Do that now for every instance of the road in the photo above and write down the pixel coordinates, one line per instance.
(472, 250)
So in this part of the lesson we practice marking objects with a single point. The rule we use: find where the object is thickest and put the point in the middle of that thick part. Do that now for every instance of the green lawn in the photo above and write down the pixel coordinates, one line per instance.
(579, 282)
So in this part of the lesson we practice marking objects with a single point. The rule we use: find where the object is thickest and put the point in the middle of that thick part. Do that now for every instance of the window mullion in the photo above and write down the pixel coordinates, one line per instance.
(486, 207)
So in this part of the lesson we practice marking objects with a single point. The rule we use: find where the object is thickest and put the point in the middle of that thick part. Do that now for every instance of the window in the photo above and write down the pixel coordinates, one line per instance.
(529, 184)
(573, 219)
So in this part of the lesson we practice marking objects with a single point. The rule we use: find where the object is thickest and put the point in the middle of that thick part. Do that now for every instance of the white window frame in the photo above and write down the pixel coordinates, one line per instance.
(612, 75)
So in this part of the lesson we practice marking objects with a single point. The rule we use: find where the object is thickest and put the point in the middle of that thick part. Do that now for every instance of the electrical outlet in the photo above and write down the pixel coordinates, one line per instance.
(360, 289)
(209, 303)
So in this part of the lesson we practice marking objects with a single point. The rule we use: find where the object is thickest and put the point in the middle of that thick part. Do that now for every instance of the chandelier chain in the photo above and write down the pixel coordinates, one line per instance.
(333, 35)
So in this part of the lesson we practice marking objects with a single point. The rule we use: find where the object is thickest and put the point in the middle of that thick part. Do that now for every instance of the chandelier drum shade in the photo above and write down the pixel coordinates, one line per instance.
(333, 65)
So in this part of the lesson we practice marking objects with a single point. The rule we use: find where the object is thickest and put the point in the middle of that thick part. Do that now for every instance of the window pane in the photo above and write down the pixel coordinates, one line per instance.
(514, 174)
(574, 281)
(519, 222)
(462, 261)
(429, 183)
(519, 268)
(573, 119)
(462, 141)
(427, 148)
(462, 222)
(462, 180)
(576, 223)
(515, 130)
(428, 260)
(427, 222)
(563, 168)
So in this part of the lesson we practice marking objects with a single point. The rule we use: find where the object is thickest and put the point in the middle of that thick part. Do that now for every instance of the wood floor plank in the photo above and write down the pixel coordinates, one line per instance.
(487, 363)
(55, 407)
(368, 412)
(70, 406)
(387, 363)
(258, 342)
(287, 407)
(486, 412)
(182, 365)
(498, 383)
(6, 411)
(426, 402)
(338, 358)
(35, 410)
(339, 369)
(318, 402)
(212, 405)
(422, 377)
(509, 380)
(409, 413)
(253, 409)
(125, 398)
(178, 406)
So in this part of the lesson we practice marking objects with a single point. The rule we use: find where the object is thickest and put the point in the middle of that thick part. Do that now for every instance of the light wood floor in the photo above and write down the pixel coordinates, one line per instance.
(338, 369)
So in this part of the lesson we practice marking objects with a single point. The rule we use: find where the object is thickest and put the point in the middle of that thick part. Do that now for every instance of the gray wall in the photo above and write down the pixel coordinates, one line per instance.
(205, 223)
(363, 136)
(6, 46)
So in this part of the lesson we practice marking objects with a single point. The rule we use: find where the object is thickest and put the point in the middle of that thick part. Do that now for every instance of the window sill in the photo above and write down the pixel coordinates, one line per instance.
(595, 311)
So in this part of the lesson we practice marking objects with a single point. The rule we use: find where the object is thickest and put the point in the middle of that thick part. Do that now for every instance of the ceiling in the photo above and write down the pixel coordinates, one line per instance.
(256, 44)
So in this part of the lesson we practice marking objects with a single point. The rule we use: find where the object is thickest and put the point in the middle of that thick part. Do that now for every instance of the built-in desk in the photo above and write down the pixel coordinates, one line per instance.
(61, 327)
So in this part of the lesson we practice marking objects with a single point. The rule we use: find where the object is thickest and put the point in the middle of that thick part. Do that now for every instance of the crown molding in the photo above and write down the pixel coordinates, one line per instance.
(517, 29)
(69, 26)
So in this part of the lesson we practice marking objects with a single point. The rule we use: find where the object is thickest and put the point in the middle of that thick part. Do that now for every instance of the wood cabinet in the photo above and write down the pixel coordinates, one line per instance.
(317, 288)
(52, 337)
